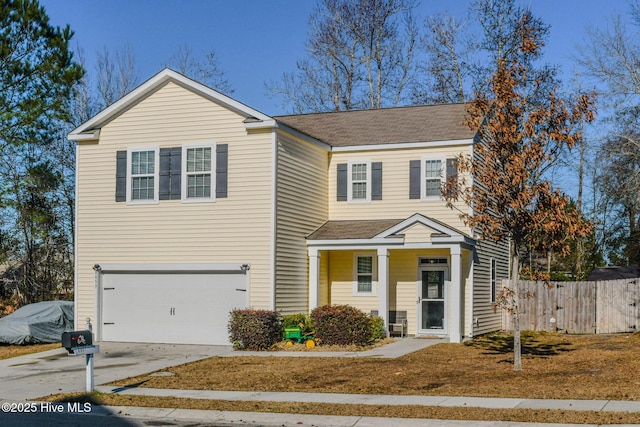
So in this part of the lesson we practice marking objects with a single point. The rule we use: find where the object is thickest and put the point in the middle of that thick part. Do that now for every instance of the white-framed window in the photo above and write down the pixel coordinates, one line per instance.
(364, 274)
(198, 172)
(432, 175)
(494, 288)
(142, 175)
(359, 181)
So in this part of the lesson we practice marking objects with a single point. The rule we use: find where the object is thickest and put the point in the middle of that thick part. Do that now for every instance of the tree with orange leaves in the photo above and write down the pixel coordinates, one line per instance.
(522, 125)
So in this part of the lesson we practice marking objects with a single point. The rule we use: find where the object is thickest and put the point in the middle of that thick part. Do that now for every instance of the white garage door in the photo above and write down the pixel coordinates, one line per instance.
(171, 307)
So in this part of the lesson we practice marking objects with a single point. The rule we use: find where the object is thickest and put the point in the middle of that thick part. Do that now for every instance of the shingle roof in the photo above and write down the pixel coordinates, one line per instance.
(358, 229)
(383, 126)
(614, 273)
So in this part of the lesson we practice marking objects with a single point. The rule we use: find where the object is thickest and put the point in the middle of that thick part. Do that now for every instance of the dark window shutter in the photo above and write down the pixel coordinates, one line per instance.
(164, 174)
(452, 171)
(342, 182)
(175, 187)
(451, 184)
(222, 160)
(376, 181)
(170, 173)
(414, 179)
(121, 176)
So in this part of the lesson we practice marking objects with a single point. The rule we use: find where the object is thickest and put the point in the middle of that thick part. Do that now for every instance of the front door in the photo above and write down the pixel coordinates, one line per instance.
(432, 300)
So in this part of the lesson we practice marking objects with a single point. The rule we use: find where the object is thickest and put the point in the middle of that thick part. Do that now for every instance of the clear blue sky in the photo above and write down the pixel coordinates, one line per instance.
(258, 40)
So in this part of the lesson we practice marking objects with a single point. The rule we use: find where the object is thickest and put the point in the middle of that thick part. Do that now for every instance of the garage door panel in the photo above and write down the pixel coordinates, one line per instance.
(179, 308)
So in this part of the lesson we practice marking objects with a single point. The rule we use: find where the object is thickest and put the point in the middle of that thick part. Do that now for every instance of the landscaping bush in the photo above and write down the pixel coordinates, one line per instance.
(295, 320)
(343, 325)
(378, 331)
(254, 329)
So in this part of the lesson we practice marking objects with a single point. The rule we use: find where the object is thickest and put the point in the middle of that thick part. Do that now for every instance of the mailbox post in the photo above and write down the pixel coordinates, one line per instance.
(81, 342)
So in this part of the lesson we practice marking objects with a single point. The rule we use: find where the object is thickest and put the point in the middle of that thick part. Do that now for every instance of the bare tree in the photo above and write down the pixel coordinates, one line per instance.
(462, 59)
(612, 57)
(447, 66)
(360, 55)
(205, 70)
(117, 74)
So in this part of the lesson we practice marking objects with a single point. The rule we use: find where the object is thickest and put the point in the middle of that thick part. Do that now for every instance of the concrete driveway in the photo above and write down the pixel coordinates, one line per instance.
(53, 371)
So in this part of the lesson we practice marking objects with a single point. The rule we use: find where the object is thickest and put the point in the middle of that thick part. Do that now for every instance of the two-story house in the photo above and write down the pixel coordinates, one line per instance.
(190, 204)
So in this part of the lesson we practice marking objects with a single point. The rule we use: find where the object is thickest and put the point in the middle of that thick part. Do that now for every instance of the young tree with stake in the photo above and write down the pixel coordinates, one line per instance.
(522, 127)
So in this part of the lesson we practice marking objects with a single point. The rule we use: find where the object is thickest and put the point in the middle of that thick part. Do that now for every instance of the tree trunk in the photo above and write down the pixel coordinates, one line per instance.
(517, 345)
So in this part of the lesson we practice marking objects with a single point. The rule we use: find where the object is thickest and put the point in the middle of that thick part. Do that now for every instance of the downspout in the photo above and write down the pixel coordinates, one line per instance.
(274, 216)
(97, 319)
(75, 245)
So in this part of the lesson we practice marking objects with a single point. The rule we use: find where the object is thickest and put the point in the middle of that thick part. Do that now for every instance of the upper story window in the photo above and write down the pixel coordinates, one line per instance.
(432, 178)
(191, 173)
(360, 181)
(142, 179)
(427, 176)
(198, 169)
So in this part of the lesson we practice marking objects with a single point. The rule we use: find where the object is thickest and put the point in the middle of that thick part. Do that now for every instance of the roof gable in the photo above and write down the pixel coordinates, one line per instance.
(90, 130)
(439, 231)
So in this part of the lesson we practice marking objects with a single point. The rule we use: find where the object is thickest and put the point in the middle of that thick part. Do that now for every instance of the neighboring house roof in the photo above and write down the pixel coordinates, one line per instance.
(383, 126)
(90, 130)
(358, 229)
(614, 273)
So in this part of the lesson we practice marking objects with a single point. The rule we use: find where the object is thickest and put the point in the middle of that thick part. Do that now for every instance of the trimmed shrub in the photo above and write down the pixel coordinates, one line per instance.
(254, 329)
(342, 325)
(295, 320)
(377, 329)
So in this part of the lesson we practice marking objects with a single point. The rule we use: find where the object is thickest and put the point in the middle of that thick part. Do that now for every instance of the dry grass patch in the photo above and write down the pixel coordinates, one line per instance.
(7, 351)
(555, 366)
(408, 411)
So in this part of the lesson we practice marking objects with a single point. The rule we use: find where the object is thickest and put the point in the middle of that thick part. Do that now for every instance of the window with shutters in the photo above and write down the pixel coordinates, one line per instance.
(142, 175)
(359, 185)
(364, 270)
(428, 175)
(191, 173)
(198, 168)
(432, 178)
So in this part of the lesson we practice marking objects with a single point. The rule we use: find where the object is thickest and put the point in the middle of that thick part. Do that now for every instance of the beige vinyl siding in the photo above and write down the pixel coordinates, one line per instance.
(395, 201)
(483, 311)
(341, 282)
(301, 207)
(236, 229)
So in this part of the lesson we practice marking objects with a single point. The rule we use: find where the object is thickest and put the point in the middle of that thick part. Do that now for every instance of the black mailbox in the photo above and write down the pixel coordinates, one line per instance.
(75, 339)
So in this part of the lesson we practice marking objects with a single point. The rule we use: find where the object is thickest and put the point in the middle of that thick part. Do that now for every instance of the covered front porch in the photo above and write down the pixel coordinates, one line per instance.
(416, 266)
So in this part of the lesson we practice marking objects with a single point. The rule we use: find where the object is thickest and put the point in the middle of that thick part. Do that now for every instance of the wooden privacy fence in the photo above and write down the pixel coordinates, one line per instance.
(600, 307)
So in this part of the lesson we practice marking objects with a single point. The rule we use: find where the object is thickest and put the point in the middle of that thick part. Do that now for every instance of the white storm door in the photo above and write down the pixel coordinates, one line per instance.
(432, 300)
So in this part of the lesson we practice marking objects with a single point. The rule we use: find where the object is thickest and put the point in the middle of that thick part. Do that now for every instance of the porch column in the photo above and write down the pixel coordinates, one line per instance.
(457, 299)
(314, 278)
(383, 286)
